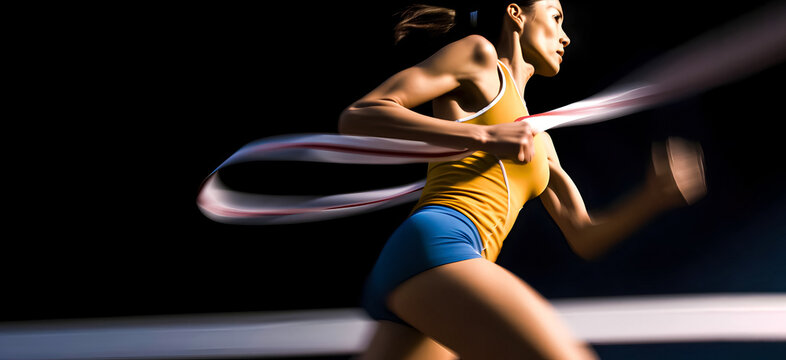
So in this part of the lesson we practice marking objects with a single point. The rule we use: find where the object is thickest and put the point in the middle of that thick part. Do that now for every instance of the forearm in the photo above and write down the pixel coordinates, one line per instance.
(385, 118)
(595, 237)
(675, 180)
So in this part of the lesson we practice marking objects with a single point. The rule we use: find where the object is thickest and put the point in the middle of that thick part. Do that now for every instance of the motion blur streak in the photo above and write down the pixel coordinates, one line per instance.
(621, 320)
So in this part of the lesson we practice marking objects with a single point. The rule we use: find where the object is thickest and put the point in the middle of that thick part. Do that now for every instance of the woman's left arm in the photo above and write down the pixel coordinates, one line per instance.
(675, 179)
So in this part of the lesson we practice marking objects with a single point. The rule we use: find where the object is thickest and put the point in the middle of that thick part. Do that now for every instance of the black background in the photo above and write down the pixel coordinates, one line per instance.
(126, 112)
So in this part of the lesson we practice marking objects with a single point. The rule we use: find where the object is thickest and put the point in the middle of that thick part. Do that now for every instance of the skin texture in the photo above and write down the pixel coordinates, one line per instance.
(475, 308)
(543, 41)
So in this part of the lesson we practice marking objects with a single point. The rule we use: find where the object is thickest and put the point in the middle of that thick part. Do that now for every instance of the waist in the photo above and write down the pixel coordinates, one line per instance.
(482, 199)
(487, 191)
(453, 213)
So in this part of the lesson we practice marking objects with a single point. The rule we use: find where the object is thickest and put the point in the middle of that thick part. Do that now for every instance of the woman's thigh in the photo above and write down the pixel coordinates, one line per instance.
(482, 311)
(394, 341)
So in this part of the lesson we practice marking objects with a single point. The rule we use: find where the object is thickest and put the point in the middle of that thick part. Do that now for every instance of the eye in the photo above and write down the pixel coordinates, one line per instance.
(557, 17)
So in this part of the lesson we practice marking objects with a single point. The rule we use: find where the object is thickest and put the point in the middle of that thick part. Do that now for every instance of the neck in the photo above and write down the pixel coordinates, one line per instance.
(509, 52)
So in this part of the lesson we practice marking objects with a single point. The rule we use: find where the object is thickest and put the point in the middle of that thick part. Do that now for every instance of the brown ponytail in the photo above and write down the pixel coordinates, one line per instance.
(434, 21)
(420, 30)
(419, 19)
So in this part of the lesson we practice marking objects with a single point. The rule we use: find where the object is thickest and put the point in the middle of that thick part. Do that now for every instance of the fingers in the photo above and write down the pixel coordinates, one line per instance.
(678, 167)
(527, 127)
(526, 145)
(525, 156)
(686, 161)
(512, 141)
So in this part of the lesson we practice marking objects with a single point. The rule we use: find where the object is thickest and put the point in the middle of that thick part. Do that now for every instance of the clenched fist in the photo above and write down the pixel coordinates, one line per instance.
(510, 141)
(677, 176)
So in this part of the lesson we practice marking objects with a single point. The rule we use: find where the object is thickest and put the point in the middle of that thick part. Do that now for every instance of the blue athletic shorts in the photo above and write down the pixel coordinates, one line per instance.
(432, 236)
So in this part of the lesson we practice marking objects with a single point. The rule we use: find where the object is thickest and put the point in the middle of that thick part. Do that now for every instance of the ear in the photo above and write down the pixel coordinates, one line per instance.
(516, 15)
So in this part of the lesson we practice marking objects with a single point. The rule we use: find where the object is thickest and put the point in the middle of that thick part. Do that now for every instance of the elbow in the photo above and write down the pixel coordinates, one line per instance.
(587, 255)
(582, 247)
(580, 251)
(579, 236)
(360, 117)
(355, 117)
(347, 120)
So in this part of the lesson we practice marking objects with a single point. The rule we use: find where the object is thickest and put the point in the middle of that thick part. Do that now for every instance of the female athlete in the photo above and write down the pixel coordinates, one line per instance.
(435, 288)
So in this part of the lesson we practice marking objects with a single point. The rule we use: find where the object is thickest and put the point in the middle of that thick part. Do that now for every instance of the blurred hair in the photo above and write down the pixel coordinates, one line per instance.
(424, 22)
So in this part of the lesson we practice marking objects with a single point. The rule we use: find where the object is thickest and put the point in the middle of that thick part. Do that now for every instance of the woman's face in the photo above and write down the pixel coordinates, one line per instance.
(543, 40)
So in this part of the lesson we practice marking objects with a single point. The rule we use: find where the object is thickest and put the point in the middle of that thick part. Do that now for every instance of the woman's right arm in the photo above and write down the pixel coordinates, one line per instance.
(385, 111)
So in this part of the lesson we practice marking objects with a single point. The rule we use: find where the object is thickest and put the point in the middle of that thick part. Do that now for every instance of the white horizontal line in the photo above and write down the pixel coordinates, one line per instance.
(624, 320)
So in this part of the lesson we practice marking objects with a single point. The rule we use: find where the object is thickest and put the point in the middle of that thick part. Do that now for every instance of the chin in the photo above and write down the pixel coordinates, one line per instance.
(548, 70)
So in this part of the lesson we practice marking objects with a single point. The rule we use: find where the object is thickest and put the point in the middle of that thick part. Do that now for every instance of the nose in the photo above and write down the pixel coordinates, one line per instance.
(564, 39)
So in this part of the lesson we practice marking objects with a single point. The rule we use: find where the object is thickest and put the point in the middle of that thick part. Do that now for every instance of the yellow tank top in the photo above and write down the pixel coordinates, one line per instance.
(489, 191)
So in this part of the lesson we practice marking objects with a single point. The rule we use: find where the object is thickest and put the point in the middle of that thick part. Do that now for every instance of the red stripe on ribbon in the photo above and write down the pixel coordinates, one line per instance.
(356, 150)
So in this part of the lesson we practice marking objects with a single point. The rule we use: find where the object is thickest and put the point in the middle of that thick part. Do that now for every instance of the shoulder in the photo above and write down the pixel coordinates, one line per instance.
(465, 58)
(479, 50)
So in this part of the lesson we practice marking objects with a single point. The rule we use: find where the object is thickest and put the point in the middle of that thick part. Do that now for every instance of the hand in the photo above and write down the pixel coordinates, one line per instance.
(510, 141)
(677, 175)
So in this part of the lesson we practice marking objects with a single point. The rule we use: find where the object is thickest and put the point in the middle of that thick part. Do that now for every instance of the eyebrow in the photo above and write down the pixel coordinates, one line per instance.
(558, 10)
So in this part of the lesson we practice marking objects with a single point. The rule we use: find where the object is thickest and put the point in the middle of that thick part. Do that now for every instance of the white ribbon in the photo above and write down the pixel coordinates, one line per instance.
(744, 47)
